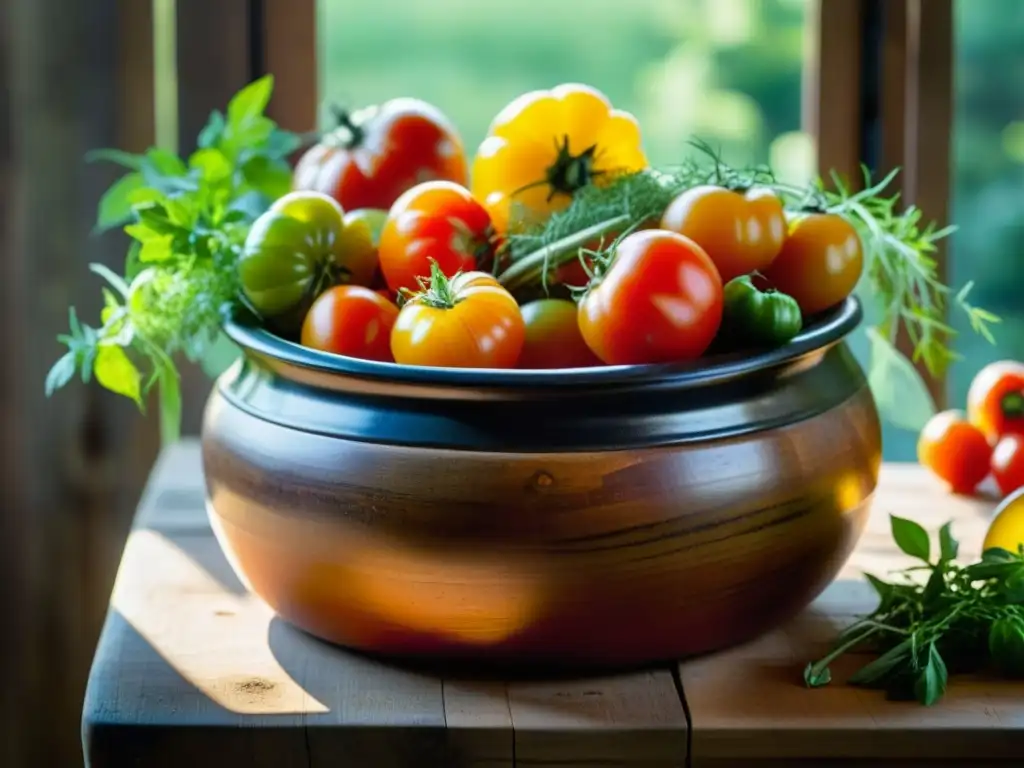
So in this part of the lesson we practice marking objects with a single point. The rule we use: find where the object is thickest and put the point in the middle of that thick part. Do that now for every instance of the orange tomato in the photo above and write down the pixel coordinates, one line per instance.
(379, 152)
(995, 399)
(435, 220)
(742, 232)
(468, 321)
(820, 262)
(661, 301)
(1008, 464)
(955, 450)
(553, 338)
(351, 320)
(547, 145)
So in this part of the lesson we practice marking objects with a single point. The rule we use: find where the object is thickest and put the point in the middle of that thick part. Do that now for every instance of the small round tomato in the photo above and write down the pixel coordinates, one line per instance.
(437, 221)
(661, 301)
(351, 320)
(995, 399)
(293, 252)
(468, 321)
(553, 338)
(1008, 464)
(955, 450)
(820, 263)
(742, 232)
(379, 152)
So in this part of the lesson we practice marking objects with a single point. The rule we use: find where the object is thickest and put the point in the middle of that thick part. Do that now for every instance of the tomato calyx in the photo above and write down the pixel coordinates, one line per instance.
(348, 133)
(436, 291)
(1012, 404)
(569, 173)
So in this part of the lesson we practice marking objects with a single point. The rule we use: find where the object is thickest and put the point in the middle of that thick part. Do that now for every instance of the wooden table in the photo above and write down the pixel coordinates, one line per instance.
(191, 670)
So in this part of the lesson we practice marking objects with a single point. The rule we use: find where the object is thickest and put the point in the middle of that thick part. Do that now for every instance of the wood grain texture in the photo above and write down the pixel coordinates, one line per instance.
(750, 703)
(193, 669)
(290, 45)
(71, 468)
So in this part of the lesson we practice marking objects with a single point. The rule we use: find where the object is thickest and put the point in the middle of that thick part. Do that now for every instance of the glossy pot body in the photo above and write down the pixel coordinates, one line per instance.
(610, 516)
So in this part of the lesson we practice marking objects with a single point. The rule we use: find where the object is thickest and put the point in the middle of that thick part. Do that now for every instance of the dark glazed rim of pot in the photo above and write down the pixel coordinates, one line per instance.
(824, 330)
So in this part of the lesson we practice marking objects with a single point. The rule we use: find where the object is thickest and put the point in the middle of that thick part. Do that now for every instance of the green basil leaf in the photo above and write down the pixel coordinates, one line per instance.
(115, 206)
(212, 164)
(999, 555)
(949, 547)
(934, 588)
(815, 676)
(911, 538)
(212, 132)
(930, 684)
(280, 143)
(61, 372)
(117, 373)
(875, 672)
(898, 389)
(160, 163)
(1006, 645)
(1013, 587)
(250, 102)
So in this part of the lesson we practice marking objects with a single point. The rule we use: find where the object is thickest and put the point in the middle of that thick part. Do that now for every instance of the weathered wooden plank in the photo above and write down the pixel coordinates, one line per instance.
(627, 720)
(71, 467)
(479, 724)
(750, 702)
(289, 52)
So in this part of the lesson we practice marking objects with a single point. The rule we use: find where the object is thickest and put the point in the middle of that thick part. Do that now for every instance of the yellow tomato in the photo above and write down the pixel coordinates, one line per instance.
(545, 146)
(1006, 530)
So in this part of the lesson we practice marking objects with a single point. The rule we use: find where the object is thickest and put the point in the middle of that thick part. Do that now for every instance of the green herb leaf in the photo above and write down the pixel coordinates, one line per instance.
(116, 281)
(126, 159)
(115, 206)
(883, 588)
(170, 404)
(251, 101)
(876, 672)
(1006, 645)
(61, 373)
(949, 547)
(212, 164)
(899, 391)
(213, 130)
(911, 538)
(931, 681)
(1013, 588)
(117, 373)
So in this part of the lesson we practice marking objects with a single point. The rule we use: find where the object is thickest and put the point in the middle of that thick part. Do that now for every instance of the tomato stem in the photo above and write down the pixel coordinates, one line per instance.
(353, 133)
(439, 293)
(531, 267)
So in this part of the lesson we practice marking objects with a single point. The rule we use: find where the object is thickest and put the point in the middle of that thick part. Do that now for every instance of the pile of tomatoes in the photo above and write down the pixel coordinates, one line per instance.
(391, 246)
(964, 448)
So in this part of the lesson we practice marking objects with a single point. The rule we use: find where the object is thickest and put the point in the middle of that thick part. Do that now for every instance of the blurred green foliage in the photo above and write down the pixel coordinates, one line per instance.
(728, 71)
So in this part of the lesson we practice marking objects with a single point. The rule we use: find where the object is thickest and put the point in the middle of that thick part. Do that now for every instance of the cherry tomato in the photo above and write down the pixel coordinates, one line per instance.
(351, 320)
(1008, 464)
(955, 450)
(661, 301)
(379, 152)
(741, 231)
(436, 220)
(553, 338)
(820, 263)
(995, 399)
(468, 321)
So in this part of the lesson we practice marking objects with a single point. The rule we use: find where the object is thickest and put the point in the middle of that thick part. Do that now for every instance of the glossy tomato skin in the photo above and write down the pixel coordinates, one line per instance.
(995, 399)
(480, 326)
(386, 150)
(553, 338)
(955, 450)
(351, 320)
(546, 145)
(740, 231)
(1008, 464)
(291, 253)
(436, 220)
(661, 301)
(820, 263)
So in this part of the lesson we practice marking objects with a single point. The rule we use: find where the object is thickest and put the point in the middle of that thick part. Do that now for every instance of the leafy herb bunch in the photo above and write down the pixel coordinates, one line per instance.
(188, 219)
(962, 618)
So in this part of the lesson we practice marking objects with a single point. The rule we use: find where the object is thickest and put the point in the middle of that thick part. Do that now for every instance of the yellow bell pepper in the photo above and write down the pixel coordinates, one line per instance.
(1006, 530)
(545, 146)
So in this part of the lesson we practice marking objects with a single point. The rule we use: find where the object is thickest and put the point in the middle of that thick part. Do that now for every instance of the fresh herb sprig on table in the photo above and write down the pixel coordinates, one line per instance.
(961, 618)
(188, 219)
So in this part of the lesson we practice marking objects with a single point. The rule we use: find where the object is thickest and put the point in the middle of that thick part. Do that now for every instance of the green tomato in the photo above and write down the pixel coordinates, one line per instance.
(752, 316)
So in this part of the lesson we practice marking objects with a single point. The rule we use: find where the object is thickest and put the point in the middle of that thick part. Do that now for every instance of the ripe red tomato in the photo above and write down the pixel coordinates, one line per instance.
(741, 232)
(553, 338)
(435, 220)
(1008, 464)
(995, 399)
(351, 320)
(661, 301)
(379, 152)
(469, 321)
(820, 263)
(955, 450)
